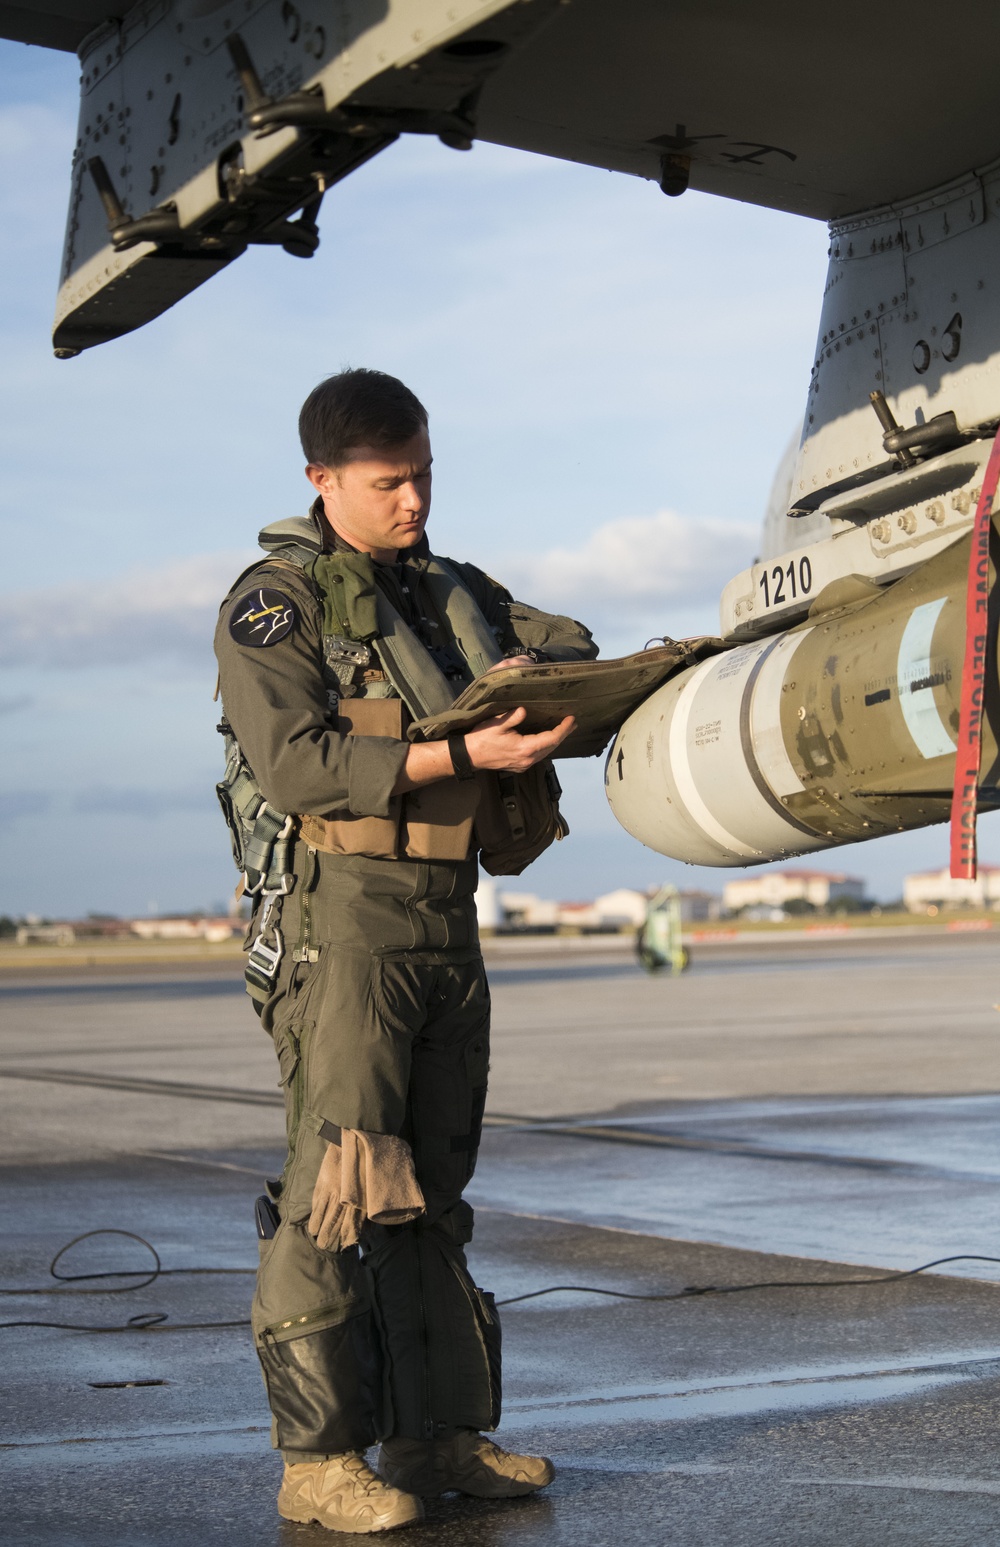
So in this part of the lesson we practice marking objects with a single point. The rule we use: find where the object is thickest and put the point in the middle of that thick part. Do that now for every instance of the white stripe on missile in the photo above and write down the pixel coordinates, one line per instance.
(681, 768)
(920, 710)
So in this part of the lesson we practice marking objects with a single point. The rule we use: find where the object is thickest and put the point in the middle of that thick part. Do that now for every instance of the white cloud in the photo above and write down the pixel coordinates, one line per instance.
(649, 573)
(637, 572)
(127, 617)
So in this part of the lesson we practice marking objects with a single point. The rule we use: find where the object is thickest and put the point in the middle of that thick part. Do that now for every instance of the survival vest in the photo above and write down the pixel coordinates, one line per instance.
(379, 676)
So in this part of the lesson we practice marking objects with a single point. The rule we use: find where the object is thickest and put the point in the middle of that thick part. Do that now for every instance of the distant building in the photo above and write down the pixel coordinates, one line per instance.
(777, 888)
(98, 927)
(525, 910)
(487, 903)
(622, 909)
(698, 907)
(45, 934)
(938, 889)
(213, 930)
(577, 915)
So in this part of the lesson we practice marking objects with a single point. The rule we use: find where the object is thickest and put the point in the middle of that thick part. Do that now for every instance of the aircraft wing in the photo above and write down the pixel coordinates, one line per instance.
(818, 110)
(63, 26)
(203, 150)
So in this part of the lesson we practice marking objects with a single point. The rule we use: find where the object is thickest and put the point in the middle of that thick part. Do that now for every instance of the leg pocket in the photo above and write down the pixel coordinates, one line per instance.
(324, 1384)
(358, 1060)
(316, 1340)
(399, 991)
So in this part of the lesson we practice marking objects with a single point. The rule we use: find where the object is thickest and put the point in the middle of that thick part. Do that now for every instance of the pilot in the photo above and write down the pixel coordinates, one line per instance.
(366, 966)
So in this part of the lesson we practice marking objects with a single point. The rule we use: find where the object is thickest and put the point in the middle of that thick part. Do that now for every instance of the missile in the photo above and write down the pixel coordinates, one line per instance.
(839, 729)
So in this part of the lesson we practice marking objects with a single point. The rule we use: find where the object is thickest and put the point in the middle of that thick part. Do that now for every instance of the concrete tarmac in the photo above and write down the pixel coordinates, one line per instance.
(785, 1113)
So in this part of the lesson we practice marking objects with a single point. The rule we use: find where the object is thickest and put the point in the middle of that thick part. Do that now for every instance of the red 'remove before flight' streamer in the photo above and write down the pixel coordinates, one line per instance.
(970, 715)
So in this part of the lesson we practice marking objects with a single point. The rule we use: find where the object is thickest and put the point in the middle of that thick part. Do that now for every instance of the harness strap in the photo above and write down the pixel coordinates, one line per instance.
(411, 669)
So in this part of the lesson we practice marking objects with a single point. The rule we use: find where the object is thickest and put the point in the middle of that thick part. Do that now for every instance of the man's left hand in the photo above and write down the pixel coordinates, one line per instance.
(500, 744)
(510, 660)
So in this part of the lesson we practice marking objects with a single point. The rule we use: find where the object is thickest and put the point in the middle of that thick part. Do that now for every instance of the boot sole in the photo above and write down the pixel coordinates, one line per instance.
(490, 1488)
(501, 1489)
(349, 1527)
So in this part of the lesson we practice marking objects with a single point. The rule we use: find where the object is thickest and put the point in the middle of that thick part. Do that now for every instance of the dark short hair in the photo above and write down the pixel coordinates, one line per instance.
(358, 408)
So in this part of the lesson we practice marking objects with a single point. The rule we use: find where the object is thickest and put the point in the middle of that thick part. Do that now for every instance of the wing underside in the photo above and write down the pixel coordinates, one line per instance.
(821, 111)
(63, 26)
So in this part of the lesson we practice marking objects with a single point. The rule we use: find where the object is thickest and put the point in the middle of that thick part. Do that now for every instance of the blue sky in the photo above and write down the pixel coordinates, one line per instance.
(611, 378)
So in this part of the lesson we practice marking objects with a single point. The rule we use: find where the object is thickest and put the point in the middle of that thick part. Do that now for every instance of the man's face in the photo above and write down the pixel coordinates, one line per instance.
(378, 500)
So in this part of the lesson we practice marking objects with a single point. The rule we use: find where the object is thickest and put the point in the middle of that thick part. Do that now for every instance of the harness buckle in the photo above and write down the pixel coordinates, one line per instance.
(286, 881)
(264, 958)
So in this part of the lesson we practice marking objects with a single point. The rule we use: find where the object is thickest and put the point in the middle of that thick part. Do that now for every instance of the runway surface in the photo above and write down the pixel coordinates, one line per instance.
(807, 1111)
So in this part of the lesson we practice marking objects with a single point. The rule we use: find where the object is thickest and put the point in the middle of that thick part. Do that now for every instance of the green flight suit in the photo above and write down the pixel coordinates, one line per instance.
(380, 1019)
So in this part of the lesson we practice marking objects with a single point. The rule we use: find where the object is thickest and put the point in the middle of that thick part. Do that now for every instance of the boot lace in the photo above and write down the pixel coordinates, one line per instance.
(365, 1479)
(486, 1450)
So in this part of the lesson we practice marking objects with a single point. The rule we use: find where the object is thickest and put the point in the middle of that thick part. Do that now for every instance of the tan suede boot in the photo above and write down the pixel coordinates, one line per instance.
(466, 1463)
(343, 1494)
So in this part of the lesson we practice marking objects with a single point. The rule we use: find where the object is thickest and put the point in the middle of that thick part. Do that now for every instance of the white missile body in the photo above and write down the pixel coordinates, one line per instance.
(699, 770)
(839, 729)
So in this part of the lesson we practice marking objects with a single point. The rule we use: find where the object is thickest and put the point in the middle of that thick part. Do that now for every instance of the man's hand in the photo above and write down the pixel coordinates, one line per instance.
(498, 743)
(494, 743)
(510, 660)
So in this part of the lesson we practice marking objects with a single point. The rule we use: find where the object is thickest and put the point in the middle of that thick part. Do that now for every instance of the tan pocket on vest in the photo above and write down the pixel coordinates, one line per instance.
(375, 836)
(437, 820)
(341, 832)
(373, 717)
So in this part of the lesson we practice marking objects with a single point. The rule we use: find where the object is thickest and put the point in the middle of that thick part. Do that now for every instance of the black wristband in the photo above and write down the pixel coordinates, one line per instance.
(538, 657)
(461, 762)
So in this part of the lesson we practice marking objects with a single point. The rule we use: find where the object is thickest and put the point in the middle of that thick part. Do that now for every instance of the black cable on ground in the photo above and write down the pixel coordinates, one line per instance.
(694, 1290)
(158, 1321)
(146, 1321)
(153, 1321)
(147, 1275)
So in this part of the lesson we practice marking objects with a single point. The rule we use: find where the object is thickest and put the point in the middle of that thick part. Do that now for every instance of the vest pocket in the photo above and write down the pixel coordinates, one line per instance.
(518, 818)
(341, 832)
(431, 823)
(438, 819)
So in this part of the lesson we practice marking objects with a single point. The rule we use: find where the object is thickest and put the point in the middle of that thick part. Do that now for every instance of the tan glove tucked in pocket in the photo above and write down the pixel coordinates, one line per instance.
(365, 1176)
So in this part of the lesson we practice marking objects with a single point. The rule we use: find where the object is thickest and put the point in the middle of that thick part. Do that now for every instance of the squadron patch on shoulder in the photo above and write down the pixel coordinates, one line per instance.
(262, 617)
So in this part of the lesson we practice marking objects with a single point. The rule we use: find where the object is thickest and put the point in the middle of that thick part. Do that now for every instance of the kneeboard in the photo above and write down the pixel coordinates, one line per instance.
(600, 694)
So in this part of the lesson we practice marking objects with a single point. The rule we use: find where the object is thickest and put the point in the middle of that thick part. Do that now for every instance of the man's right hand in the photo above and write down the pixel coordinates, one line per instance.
(498, 744)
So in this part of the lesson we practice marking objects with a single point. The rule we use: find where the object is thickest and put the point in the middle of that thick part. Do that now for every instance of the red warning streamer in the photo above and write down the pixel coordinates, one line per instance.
(970, 719)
